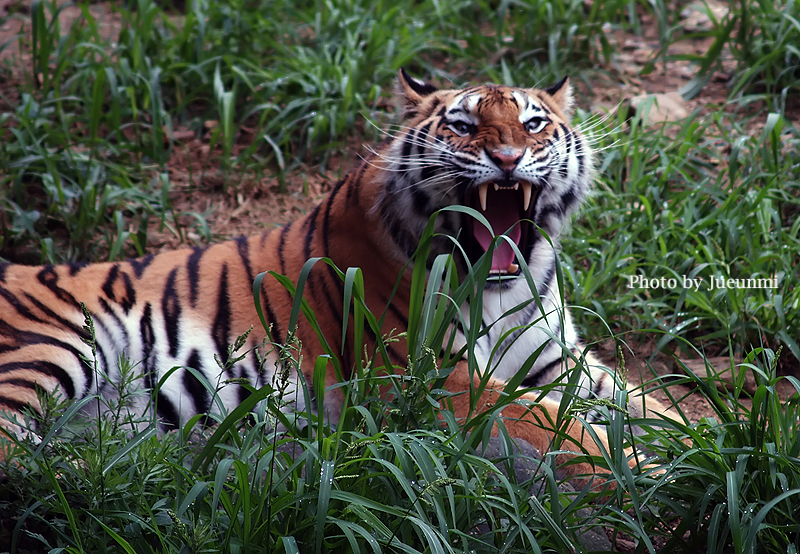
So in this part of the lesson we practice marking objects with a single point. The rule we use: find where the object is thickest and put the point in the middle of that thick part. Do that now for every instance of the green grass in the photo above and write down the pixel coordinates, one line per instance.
(736, 485)
(85, 152)
(672, 205)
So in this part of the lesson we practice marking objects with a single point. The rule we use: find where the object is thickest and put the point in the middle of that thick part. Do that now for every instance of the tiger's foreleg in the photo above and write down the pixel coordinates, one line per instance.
(536, 420)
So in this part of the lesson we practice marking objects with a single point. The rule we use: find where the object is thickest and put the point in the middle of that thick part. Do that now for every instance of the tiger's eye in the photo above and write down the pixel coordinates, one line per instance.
(461, 128)
(536, 125)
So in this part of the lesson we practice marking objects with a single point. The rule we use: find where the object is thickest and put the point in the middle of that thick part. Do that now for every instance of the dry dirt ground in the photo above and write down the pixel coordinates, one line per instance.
(243, 204)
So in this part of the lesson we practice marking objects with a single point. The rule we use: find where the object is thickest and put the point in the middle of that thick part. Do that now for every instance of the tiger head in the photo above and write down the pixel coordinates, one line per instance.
(509, 153)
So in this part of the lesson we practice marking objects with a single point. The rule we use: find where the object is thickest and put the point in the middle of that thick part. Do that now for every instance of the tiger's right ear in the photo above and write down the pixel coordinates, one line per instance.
(412, 92)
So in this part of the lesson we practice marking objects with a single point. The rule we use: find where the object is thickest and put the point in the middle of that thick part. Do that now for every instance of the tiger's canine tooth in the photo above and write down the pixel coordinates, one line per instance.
(482, 194)
(526, 195)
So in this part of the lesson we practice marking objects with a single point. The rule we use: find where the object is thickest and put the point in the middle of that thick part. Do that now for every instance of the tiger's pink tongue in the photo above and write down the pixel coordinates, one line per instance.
(500, 218)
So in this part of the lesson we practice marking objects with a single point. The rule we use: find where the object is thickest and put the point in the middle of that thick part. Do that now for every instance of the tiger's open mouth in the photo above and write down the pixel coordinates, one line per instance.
(508, 207)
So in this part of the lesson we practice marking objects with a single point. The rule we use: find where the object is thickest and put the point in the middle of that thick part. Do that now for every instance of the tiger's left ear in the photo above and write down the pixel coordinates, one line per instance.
(412, 92)
(561, 92)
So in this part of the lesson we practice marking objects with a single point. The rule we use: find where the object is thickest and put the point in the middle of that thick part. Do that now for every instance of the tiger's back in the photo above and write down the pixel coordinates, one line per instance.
(182, 308)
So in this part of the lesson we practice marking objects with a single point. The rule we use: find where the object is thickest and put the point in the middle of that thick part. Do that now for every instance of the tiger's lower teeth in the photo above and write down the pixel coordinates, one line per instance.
(510, 270)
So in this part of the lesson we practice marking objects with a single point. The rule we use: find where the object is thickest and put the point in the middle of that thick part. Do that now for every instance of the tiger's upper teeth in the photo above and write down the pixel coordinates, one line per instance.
(482, 195)
(526, 195)
(483, 189)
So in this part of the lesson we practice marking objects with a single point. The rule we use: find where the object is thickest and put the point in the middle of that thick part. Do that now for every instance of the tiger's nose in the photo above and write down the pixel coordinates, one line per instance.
(506, 159)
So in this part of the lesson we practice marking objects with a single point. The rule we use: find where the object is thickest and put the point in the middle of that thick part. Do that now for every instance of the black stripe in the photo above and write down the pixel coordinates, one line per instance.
(193, 273)
(579, 152)
(129, 299)
(98, 323)
(527, 315)
(48, 277)
(11, 405)
(221, 329)
(326, 217)
(171, 308)
(282, 269)
(108, 285)
(390, 185)
(271, 318)
(244, 253)
(335, 305)
(79, 329)
(258, 370)
(405, 153)
(130, 294)
(45, 368)
(243, 394)
(352, 181)
(401, 316)
(397, 232)
(564, 169)
(197, 391)
(421, 200)
(113, 315)
(312, 227)
(548, 210)
(148, 342)
(166, 412)
(422, 136)
(140, 264)
(334, 192)
(3, 268)
(75, 267)
(569, 198)
(598, 385)
(21, 308)
(29, 338)
(534, 379)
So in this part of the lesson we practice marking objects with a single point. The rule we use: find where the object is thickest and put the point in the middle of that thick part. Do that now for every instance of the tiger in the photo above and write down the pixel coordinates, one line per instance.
(508, 153)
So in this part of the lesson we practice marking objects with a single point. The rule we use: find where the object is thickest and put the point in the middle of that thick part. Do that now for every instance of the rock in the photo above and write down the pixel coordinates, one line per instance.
(594, 539)
(658, 108)
(700, 17)
(525, 460)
